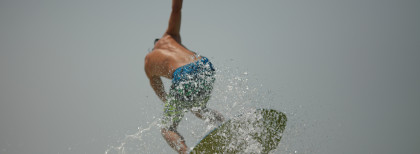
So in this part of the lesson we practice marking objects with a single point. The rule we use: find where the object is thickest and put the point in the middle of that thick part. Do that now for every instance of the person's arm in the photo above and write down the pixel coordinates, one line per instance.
(155, 80)
(157, 85)
(175, 20)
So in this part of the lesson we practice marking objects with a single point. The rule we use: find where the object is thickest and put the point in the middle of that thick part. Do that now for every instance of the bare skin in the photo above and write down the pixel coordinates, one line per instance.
(167, 55)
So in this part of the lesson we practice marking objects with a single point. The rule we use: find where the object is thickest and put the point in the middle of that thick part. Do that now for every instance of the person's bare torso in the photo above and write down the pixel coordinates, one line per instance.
(167, 56)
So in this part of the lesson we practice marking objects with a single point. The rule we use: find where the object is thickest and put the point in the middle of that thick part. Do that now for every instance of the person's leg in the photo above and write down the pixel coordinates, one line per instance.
(173, 114)
(207, 114)
(174, 139)
(206, 80)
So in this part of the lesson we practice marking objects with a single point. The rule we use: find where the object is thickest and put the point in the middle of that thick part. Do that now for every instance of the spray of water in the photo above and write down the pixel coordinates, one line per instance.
(235, 91)
(128, 144)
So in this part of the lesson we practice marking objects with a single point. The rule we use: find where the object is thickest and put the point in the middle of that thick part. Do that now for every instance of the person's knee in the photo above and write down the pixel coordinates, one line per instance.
(195, 110)
(171, 128)
(164, 131)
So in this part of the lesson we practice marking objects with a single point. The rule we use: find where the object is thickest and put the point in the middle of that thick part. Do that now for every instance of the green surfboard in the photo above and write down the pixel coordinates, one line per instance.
(255, 131)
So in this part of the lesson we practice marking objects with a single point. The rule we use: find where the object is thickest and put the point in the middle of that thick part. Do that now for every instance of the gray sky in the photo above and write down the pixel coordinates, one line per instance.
(346, 72)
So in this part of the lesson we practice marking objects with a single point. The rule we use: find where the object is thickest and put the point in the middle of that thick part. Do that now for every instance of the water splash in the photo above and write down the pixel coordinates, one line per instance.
(132, 143)
(235, 91)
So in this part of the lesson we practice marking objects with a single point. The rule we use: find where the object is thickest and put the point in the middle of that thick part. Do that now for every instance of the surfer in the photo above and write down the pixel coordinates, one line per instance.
(192, 80)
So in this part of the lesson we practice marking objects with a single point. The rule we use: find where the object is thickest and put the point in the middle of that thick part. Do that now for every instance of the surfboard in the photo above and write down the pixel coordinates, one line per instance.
(255, 131)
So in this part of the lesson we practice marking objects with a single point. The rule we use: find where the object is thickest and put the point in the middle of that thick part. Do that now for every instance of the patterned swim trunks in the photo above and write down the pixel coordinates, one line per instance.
(190, 90)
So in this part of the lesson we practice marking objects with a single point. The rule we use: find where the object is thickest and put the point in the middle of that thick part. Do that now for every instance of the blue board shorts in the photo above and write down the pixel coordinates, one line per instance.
(190, 90)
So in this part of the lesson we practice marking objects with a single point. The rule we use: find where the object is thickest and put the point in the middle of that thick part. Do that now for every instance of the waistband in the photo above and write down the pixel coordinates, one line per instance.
(191, 68)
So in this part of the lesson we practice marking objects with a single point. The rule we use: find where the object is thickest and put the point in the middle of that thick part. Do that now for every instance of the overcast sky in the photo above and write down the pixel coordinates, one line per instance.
(345, 72)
